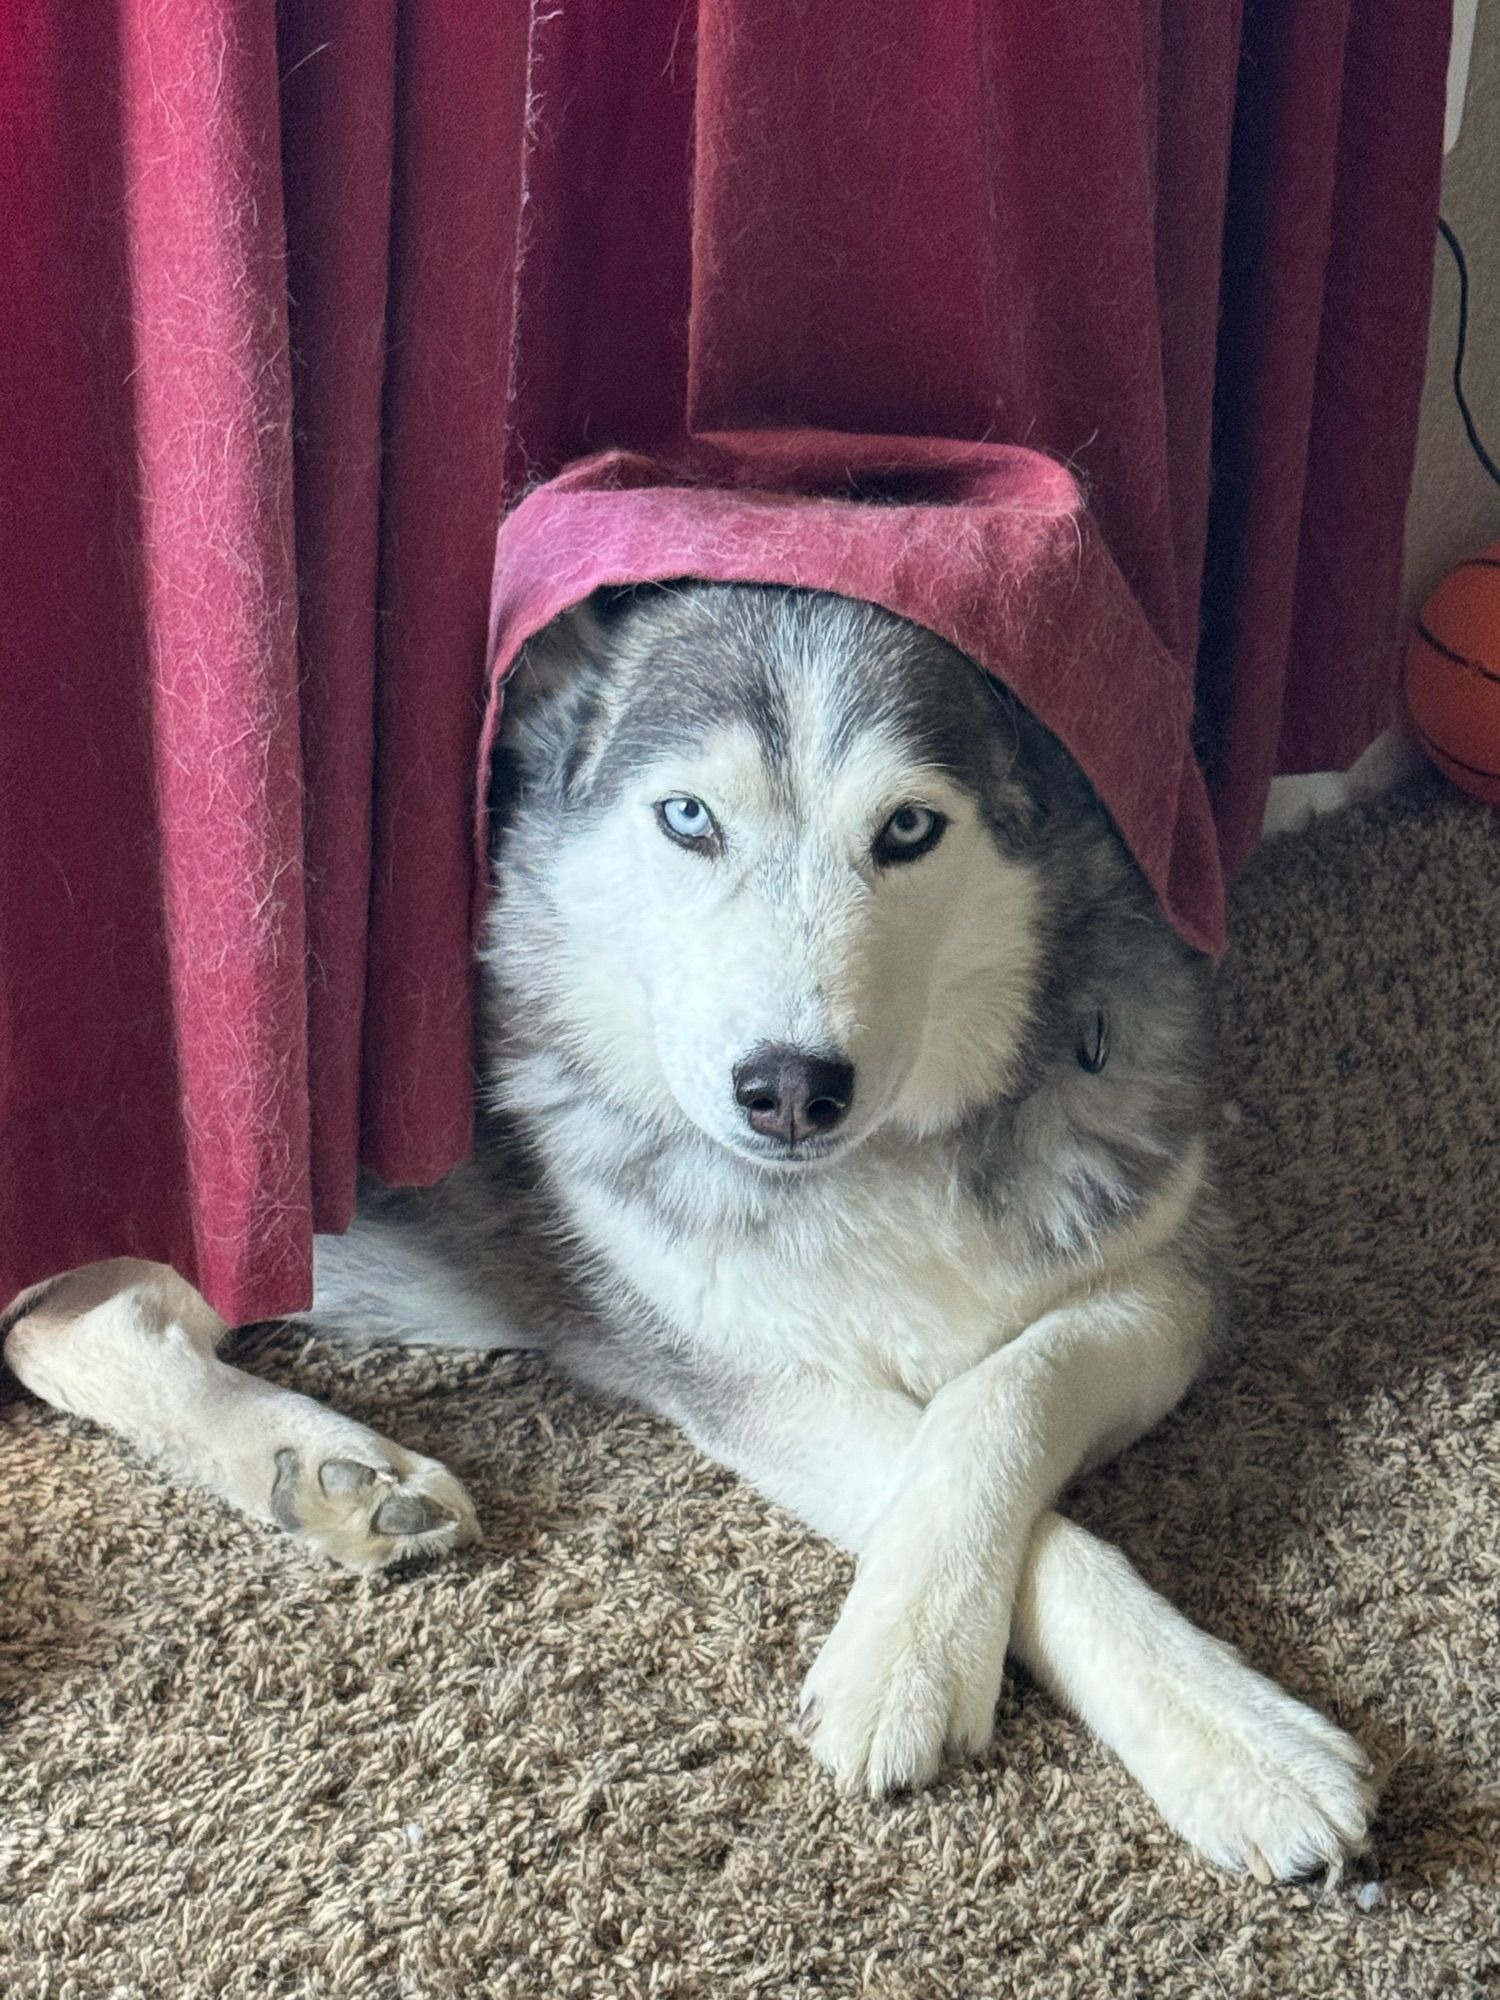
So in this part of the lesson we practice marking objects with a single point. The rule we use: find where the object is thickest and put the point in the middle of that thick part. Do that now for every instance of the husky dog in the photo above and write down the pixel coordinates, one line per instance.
(843, 1101)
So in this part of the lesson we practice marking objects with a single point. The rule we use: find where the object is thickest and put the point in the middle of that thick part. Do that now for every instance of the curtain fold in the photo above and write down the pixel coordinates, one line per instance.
(298, 295)
(257, 336)
(1328, 235)
(338, 122)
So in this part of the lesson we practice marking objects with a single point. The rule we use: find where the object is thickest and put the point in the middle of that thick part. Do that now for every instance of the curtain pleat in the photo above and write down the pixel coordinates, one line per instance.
(299, 297)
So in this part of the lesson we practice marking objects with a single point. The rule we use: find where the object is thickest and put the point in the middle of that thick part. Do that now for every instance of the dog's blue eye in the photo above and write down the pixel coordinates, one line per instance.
(910, 832)
(687, 819)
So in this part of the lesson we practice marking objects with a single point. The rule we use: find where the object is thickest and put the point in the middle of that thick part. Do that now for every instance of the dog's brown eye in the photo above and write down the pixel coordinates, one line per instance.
(909, 833)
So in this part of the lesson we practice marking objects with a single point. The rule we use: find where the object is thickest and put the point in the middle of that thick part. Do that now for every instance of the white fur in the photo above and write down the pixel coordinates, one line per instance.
(852, 1326)
(130, 1345)
(1254, 1779)
(677, 967)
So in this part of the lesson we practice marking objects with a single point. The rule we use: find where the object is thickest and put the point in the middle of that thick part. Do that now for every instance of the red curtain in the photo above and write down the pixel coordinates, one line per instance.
(258, 308)
(296, 294)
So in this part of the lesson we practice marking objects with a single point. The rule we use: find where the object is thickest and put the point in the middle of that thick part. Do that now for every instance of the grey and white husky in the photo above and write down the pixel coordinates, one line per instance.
(843, 1101)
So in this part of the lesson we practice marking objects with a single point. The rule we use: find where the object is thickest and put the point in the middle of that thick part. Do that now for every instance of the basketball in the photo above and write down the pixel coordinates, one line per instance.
(1453, 675)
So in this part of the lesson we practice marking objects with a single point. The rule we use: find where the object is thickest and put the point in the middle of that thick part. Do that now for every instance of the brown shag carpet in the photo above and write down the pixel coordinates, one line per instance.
(560, 1765)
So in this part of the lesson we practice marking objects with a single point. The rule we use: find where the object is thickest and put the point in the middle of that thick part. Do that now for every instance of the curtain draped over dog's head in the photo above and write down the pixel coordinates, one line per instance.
(990, 546)
(300, 295)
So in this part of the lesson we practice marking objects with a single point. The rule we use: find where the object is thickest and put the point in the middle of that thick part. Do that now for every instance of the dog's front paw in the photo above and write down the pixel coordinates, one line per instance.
(902, 1680)
(1257, 1781)
(368, 1503)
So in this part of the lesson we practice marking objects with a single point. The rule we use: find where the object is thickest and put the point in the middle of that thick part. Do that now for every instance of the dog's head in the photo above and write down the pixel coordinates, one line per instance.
(775, 859)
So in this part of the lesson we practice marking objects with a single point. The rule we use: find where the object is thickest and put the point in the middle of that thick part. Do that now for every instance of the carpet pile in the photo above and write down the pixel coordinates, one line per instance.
(560, 1765)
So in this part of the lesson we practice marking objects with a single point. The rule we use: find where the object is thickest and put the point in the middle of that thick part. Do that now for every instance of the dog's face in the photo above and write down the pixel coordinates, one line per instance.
(785, 843)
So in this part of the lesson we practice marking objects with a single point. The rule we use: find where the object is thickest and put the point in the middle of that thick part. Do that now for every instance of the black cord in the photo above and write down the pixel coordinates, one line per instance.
(1458, 359)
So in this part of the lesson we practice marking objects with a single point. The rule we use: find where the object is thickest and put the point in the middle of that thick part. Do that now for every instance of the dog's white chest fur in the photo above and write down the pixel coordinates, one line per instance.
(881, 1271)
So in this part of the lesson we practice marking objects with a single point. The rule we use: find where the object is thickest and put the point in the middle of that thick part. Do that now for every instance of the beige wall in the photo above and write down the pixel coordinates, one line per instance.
(1455, 506)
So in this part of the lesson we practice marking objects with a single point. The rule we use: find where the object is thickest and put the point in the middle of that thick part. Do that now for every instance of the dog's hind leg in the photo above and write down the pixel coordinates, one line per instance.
(133, 1347)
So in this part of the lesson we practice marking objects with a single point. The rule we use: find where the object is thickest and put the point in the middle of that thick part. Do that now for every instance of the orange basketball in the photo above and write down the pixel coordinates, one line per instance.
(1453, 675)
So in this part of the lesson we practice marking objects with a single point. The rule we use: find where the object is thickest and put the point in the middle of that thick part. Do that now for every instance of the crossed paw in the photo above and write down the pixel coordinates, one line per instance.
(1257, 1781)
(899, 1684)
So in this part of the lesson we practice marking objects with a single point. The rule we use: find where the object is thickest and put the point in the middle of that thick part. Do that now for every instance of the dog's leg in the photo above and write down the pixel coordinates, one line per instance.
(915, 1662)
(1253, 1778)
(131, 1346)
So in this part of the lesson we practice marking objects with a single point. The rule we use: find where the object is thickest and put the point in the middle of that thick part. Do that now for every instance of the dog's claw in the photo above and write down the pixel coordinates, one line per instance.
(807, 1717)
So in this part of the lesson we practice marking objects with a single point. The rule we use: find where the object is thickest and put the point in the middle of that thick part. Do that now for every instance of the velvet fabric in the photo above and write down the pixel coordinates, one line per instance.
(296, 295)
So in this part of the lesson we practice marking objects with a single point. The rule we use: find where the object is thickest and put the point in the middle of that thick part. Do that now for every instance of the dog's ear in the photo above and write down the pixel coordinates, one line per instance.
(552, 695)
(555, 692)
(571, 648)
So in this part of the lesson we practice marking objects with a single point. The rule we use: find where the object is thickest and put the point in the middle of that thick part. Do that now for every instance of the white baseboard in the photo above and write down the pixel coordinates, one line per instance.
(1295, 801)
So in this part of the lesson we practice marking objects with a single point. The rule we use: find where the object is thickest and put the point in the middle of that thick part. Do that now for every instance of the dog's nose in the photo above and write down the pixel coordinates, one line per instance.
(791, 1096)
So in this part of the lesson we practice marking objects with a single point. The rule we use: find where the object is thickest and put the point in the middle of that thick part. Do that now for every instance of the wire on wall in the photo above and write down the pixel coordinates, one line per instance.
(1451, 239)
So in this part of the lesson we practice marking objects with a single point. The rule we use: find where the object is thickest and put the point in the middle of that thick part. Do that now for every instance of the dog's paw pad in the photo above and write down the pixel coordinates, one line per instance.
(344, 1475)
(366, 1512)
(411, 1514)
